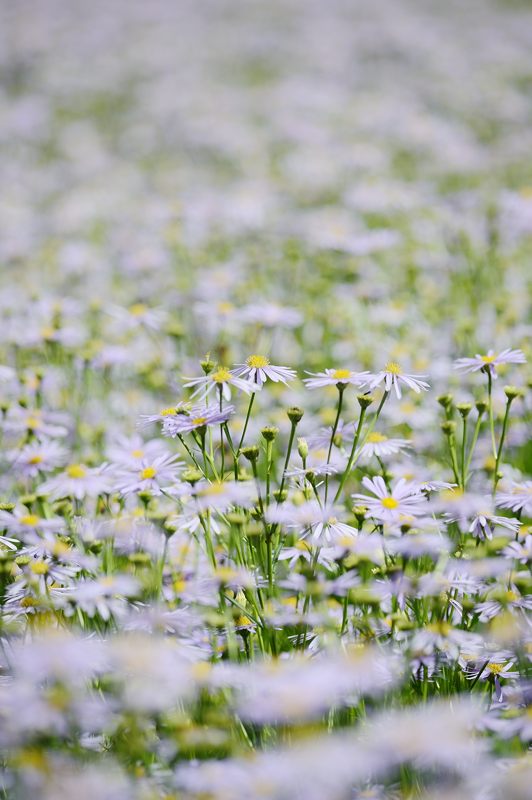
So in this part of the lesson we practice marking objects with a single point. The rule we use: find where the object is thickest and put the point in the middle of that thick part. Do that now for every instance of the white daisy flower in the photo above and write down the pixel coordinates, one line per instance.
(129, 451)
(312, 519)
(332, 377)
(77, 481)
(197, 417)
(150, 475)
(378, 444)
(258, 369)
(37, 456)
(393, 376)
(490, 361)
(162, 415)
(20, 523)
(518, 498)
(221, 379)
(321, 439)
(485, 522)
(390, 506)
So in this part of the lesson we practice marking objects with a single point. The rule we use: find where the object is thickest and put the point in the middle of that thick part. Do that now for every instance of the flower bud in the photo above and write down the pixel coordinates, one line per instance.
(302, 447)
(445, 400)
(365, 400)
(463, 409)
(251, 452)
(512, 392)
(207, 365)
(191, 476)
(295, 414)
(448, 427)
(269, 433)
(481, 406)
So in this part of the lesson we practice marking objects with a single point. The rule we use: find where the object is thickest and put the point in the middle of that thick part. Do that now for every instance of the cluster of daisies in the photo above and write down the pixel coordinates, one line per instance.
(304, 573)
(248, 565)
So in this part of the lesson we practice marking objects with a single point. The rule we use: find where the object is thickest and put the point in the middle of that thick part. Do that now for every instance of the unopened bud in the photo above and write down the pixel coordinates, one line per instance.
(512, 392)
(445, 400)
(295, 414)
(251, 452)
(302, 447)
(448, 427)
(269, 433)
(365, 400)
(463, 409)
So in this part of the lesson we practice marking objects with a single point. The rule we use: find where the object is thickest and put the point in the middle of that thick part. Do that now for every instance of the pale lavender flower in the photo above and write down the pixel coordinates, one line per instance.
(518, 498)
(332, 377)
(490, 361)
(393, 376)
(390, 505)
(220, 380)
(258, 369)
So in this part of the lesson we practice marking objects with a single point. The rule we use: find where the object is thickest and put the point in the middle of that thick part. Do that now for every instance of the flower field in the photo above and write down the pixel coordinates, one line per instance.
(265, 464)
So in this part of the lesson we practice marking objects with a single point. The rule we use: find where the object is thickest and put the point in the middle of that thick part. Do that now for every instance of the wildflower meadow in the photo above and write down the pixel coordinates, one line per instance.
(265, 462)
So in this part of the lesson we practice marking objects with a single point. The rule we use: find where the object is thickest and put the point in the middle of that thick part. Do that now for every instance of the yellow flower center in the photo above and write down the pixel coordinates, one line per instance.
(30, 520)
(32, 423)
(137, 309)
(137, 453)
(257, 362)
(221, 375)
(389, 502)
(39, 568)
(147, 473)
(488, 359)
(76, 471)
(511, 597)
(393, 367)
(341, 374)
(441, 628)
(496, 669)
(36, 459)
(224, 307)
(377, 437)
(166, 412)
(199, 420)
(27, 602)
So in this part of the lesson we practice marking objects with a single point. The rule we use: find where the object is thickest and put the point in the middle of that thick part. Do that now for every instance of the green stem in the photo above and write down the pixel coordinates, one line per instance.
(490, 412)
(472, 448)
(250, 406)
(341, 389)
(501, 443)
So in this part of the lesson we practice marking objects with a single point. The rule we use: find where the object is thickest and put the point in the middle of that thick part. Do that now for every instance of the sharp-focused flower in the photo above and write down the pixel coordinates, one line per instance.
(332, 377)
(258, 370)
(490, 361)
(220, 380)
(393, 376)
(389, 505)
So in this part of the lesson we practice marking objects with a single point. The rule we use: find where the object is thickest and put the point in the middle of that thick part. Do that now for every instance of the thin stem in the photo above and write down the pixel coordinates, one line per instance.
(472, 448)
(250, 406)
(462, 450)
(490, 412)
(341, 389)
(501, 443)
